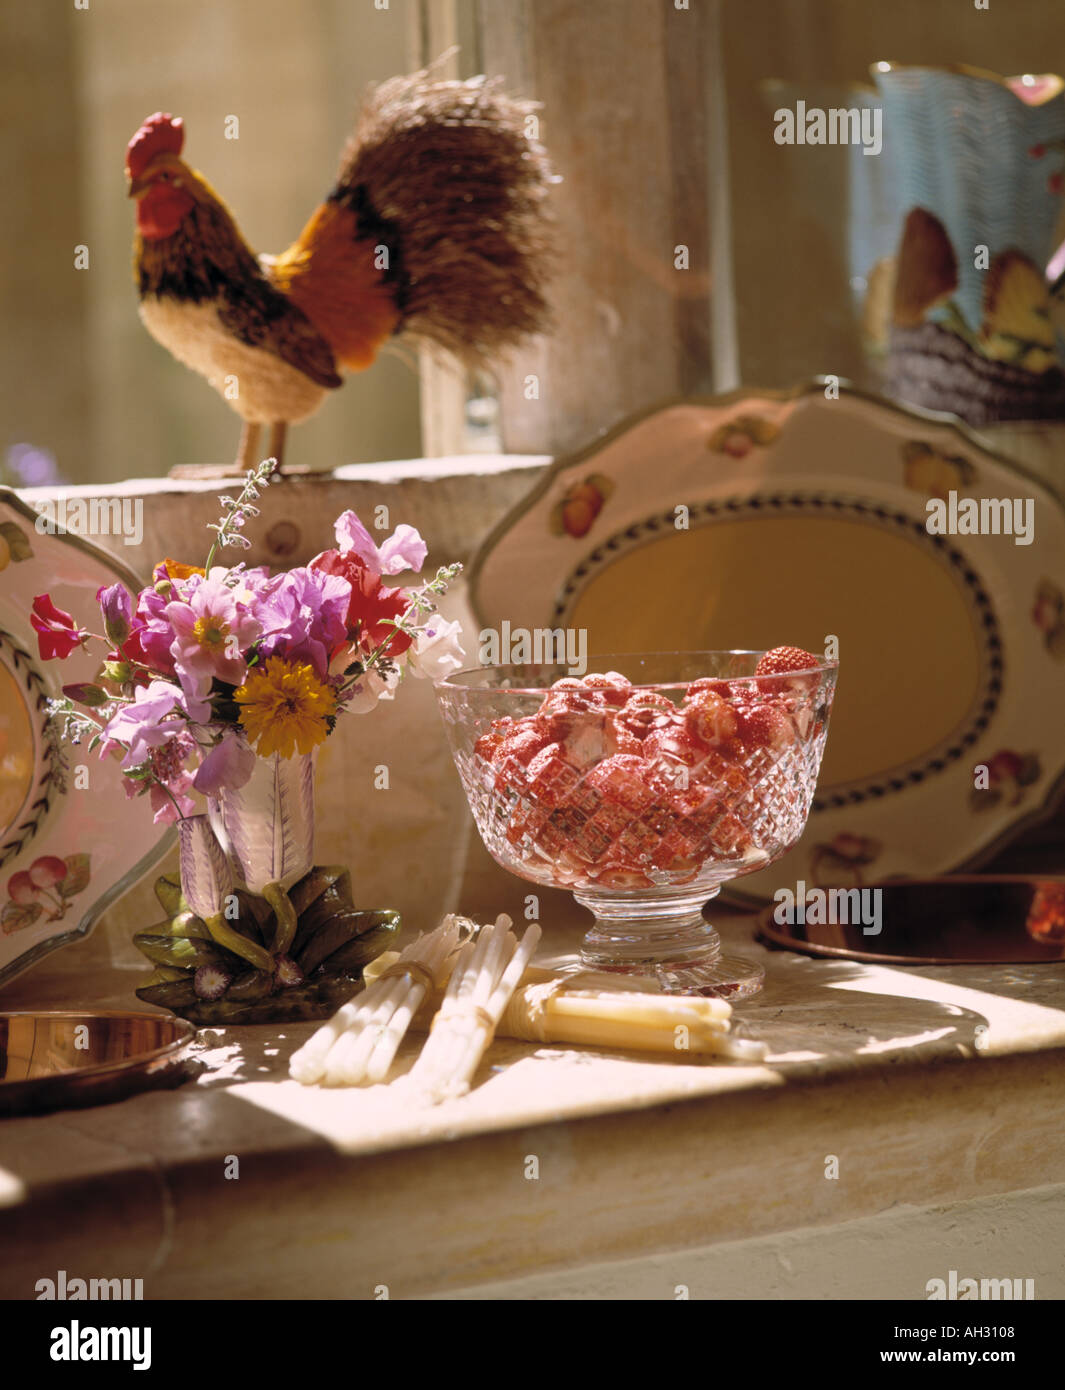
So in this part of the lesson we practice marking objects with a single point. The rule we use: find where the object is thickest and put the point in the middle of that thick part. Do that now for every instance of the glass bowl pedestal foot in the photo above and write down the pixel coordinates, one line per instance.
(664, 937)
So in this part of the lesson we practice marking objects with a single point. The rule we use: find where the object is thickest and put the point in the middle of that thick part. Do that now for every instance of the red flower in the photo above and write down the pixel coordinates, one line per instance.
(371, 601)
(57, 632)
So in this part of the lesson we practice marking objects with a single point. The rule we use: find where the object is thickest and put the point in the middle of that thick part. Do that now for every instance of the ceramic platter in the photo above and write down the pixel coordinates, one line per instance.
(755, 520)
(96, 841)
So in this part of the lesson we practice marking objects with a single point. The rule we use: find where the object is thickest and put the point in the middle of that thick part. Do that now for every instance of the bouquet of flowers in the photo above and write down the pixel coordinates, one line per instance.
(223, 680)
(207, 668)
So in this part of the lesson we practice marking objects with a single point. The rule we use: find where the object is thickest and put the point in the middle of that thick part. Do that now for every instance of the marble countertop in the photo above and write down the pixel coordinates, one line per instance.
(955, 1072)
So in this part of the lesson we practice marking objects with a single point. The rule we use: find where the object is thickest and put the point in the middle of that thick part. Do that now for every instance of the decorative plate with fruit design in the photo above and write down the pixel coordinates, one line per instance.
(70, 840)
(756, 520)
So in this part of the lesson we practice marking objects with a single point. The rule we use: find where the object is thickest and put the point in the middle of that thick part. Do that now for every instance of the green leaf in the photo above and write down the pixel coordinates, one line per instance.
(168, 891)
(313, 1000)
(182, 924)
(257, 984)
(166, 975)
(17, 541)
(185, 951)
(15, 916)
(350, 940)
(77, 878)
(87, 694)
(362, 950)
(174, 995)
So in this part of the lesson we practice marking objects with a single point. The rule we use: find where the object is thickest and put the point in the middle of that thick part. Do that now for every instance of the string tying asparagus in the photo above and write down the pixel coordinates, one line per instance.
(485, 976)
(360, 1041)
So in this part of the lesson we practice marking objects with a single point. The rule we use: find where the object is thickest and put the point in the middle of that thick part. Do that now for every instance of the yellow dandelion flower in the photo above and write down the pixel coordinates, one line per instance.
(284, 707)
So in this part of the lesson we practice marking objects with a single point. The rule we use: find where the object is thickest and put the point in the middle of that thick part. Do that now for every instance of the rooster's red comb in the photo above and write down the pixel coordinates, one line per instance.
(160, 134)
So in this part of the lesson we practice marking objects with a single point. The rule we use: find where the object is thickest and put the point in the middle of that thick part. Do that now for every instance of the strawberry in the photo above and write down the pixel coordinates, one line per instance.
(710, 718)
(644, 711)
(619, 738)
(490, 742)
(551, 778)
(525, 824)
(515, 754)
(723, 775)
(522, 745)
(735, 691)
(621, 781)
(781, 661)
(768, 726)
(569, 699)
(676, 854)
(731, 839)
(613, 687)
(674, 757)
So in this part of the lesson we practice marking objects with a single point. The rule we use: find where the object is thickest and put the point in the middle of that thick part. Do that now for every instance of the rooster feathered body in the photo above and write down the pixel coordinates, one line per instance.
(436, 227)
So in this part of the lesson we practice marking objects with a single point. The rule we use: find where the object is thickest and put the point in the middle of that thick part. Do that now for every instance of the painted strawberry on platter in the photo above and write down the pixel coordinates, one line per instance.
(575, 512)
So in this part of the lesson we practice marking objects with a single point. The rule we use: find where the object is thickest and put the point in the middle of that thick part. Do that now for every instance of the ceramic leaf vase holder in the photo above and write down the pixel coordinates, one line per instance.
(254, 931)
(979, 163)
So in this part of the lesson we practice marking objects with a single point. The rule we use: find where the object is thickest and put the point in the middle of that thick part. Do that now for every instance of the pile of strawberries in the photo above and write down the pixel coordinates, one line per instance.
(616, 787)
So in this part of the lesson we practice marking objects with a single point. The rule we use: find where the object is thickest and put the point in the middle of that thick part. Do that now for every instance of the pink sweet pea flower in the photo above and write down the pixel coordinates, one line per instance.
(152, 636)
(57, 632)
(211, 631)
(403, 550)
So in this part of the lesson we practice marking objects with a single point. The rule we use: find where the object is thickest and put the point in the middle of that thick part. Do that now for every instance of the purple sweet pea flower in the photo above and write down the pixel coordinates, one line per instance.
(166, 812)
(196, 687)
(229, 764)
(142, 725)
(117, 607)
(403, 550)
(303, 614)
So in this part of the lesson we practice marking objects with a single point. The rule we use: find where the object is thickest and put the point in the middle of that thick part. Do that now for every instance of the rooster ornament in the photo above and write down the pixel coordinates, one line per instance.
(437, 227)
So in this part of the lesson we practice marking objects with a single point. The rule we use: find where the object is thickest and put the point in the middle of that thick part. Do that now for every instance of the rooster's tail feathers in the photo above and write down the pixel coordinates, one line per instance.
(455, 184)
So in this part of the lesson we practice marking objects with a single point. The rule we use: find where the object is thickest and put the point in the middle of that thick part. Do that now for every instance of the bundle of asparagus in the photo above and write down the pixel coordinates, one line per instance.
(485, 975)
(467, 984)
(599, 1011)
(360, 1041)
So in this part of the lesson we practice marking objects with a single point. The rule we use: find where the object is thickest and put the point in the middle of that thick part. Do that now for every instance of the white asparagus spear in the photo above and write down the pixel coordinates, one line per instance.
(466, 1022)
(307, 1063)
(342, 1045)
(347, 1058)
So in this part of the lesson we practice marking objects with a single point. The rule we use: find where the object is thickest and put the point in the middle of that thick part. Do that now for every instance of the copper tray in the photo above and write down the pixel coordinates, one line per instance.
(66, 1058)
(958, 919)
